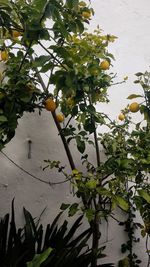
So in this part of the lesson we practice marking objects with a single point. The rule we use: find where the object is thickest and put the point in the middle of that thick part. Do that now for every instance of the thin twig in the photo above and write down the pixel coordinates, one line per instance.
(25, 55)
(57, 60)
(117, 83)
(68, 122)
(39, 76)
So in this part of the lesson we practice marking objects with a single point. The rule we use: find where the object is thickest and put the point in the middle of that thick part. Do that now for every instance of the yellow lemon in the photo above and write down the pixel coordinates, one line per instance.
(4, 55)
(16, 34)
(86, 14)
(60, 117)
(104, 65)
(121, 117)
(50, 105)
(134, 107)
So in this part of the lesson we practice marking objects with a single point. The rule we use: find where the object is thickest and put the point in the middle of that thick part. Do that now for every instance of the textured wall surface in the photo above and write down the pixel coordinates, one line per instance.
(130, 21)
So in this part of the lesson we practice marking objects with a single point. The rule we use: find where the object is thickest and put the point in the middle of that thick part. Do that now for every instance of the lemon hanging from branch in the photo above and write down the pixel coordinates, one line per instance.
(121, 117)
(86, 14)
(134, 107)
(60, 117)
(50, 105)
(104, 65)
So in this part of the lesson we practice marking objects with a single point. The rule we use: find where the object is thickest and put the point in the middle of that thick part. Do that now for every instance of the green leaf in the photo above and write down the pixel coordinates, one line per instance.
(82, 107)
(26, 99)
(39, 258)
(91, 184)
(80, 144)
(136, 81)
(89, 125)
(103, 191)
(91, 109)
(73, 209)
(90, 214)
(40, 61)
(72, 4)
(83, 133)
(69, 3)
(145, 110)
(142, 193)
(138, 74)
(111, 56)
(74, 111)
(47, 67)
(4, 2)
(3, 118)
(39, 5)
(61, 51)
(122, 203)
(80, 26)
(64, 206)
(133, 96)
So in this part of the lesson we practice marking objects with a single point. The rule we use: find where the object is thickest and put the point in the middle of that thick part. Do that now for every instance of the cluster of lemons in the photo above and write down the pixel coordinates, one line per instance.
(50, 105)
(133, 107)
(4, 55)
(85, 14)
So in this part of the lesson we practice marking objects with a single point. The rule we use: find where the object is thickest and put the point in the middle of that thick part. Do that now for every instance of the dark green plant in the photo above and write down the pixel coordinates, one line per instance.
(69, 248)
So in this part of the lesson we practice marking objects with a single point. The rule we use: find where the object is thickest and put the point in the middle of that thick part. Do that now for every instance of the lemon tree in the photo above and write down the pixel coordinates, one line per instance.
(71, 59)
(128, 160)
(77, 64)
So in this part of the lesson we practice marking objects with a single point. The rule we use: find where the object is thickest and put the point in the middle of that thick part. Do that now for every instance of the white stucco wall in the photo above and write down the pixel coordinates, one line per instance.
(130, 21)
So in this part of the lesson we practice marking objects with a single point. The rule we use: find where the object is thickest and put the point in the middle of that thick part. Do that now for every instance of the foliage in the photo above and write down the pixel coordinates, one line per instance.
(58, 244)
(128, 153)
(54, 57)
(71, 63)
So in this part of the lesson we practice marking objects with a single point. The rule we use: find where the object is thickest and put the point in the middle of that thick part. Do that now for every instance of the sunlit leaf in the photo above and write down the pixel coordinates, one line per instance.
(73, 209)
(144, 194)
(39, 258)
(132, 96)
(122, 203)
